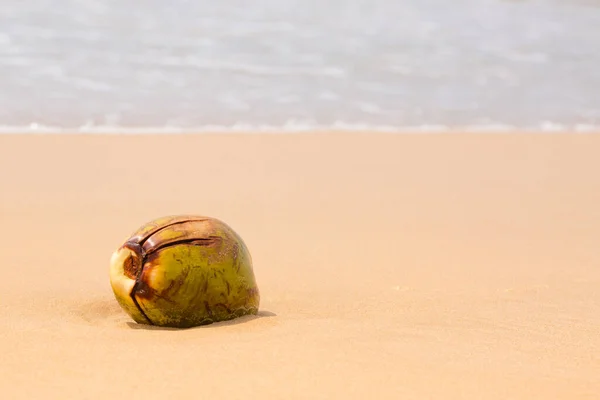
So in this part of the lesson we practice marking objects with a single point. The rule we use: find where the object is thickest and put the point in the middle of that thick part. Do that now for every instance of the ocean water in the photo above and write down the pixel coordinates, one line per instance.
(299, 64)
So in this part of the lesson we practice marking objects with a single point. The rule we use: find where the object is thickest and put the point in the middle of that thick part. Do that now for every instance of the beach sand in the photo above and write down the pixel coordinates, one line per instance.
(415, 266)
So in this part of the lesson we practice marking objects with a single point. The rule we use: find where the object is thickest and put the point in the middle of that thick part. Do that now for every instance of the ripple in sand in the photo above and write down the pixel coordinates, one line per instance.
(101, 312)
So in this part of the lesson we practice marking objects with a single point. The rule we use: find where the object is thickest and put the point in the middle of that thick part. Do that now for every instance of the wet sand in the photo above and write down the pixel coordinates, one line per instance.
(426, 266)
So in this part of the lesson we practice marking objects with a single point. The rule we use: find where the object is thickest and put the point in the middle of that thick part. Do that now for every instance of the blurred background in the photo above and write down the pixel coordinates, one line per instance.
(299, 64)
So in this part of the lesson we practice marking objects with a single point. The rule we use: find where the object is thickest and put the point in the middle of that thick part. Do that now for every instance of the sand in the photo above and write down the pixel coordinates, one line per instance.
(425, 266)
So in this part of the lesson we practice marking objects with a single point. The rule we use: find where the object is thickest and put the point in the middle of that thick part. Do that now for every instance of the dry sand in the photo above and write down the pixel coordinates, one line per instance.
(434, 266)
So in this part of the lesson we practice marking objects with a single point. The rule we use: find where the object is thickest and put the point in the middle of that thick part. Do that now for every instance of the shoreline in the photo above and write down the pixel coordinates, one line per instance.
(254, 129)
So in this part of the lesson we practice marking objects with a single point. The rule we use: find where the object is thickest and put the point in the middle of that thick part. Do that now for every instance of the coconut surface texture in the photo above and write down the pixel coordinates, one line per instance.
(184, 271)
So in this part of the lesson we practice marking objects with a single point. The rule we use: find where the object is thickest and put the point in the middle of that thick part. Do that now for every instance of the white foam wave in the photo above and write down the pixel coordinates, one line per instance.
(249, 68)
(297, 127)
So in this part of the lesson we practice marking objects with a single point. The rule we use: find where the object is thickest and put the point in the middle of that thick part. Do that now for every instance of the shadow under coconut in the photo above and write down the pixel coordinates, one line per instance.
(235, 321)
